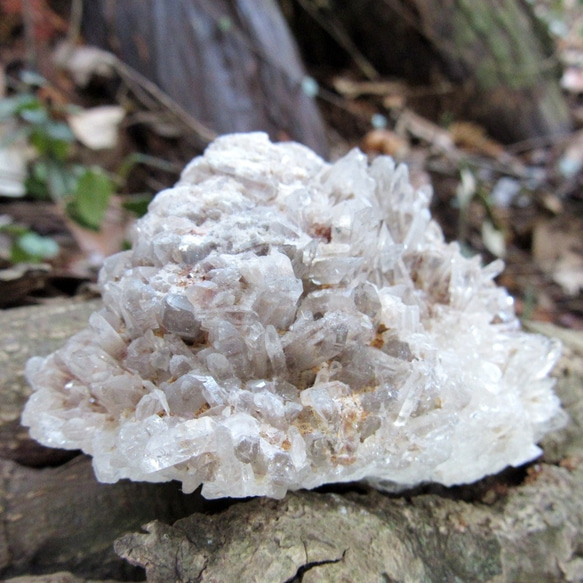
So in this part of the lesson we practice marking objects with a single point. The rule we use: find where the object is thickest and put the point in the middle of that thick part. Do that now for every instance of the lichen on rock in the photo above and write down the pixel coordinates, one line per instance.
(281, 323)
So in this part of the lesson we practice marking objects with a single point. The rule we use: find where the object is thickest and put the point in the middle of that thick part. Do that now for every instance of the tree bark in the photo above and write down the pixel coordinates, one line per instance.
(232, 64)
(61, 518)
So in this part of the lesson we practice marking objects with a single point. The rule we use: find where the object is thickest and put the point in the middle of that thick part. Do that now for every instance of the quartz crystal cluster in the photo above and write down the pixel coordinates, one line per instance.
(281, 323)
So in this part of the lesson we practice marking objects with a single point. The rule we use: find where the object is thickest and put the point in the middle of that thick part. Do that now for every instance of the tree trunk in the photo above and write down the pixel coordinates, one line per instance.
(232, 64)
(495, 57)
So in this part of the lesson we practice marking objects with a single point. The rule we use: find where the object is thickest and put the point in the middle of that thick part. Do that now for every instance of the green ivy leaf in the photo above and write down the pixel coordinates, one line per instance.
(60, 131)
(59, 149)
(30, 247)
(32, 78)
(36, 181)
(11, 106)
(51, 142)
(34, 115)
(61, 182)
(138, 204)
(91, 198)
(40, 140)
(14, 230)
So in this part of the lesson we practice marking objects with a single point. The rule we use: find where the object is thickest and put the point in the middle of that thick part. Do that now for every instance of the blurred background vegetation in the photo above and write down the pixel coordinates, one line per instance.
(102, 103)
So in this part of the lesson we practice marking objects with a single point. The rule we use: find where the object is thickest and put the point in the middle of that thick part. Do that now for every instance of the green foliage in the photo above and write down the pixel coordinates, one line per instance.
(27, 246)
(50, 137)
(138, 205)
(53, 175)
(54, 172)
(91, 198)
(33, 248)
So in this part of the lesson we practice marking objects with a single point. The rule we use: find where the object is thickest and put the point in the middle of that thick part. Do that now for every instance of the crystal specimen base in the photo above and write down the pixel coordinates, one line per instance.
(281, 323)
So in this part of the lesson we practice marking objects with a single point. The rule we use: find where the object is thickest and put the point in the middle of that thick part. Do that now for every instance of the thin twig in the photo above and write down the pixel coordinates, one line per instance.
(132, 77)
(537, 142)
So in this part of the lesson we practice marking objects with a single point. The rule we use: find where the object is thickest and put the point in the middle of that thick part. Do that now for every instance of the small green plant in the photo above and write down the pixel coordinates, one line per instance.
(84, 191)
(53, 171)
(26, 246)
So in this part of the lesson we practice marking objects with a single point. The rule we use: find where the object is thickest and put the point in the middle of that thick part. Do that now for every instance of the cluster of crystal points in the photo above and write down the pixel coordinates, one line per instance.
(281, 323)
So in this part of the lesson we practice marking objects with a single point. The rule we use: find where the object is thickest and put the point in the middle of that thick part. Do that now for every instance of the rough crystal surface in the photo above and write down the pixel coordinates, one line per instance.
(281, 323)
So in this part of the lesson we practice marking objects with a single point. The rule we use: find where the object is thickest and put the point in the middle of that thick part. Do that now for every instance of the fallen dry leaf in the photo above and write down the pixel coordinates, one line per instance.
(572, 80)
(98, 127)
(385, 142)
(83, 62)
(471, 136)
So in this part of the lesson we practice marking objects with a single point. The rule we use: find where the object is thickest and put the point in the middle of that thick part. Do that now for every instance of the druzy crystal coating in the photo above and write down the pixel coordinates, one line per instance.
(281, 323)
